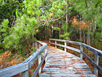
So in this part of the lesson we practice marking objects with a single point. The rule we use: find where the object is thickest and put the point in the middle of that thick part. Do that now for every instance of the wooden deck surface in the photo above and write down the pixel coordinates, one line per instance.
(64, 64)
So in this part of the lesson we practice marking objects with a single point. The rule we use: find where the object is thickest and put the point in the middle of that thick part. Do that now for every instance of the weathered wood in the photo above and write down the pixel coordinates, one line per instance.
(25, 74)
(66, 75)
(64, 64)
(13, 70)
(36, 71)
(46, 56)
(57, 40)
(93, 63)
(65, 47)
(55, 44)
(39, 61)
(73, 42)
(74, 49)
(96, 61)
(94, 50)
(81, 50)
(36, 45)
(49, 42)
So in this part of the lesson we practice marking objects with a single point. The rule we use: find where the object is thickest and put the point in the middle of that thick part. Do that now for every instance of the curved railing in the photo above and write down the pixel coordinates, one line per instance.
(98, 53)
(24, 67)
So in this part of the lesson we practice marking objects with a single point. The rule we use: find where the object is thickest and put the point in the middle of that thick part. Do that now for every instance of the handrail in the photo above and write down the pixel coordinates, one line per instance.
(24, 67)
(98, 53)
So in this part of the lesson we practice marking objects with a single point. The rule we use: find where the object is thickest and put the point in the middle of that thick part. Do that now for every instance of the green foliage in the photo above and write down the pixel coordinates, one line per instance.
(56, 28)
(4, 29)
(21, 21)
(66, 34)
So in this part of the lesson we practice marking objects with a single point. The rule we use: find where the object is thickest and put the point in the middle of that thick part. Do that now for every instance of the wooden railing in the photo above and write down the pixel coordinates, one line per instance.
(25, 66)
(98, 53)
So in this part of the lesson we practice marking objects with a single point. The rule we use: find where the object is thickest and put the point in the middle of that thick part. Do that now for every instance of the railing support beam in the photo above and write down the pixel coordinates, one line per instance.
(46, 56)
(81, 50)
(36, 45)
(25, 74)
(55, 44)
(39, 61)
(96, 61)
(65, 47)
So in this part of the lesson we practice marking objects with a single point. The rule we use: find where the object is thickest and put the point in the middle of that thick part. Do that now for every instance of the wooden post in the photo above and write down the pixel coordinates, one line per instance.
(49, 41)
(39, 61)
(55, 44)
(81, 50)
(36, 45)
(96, 61)
(46, 56)
(39, 45)
(25, 74)
(65, 46)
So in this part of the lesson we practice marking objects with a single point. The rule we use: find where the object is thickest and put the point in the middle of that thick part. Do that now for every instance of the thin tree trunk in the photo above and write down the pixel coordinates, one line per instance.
(94, 28)
(59, 30)
(80, 30)
(66, 16)
(80, 35)
(84, 35)
(52, 30)
(89, 36)
(45, 33)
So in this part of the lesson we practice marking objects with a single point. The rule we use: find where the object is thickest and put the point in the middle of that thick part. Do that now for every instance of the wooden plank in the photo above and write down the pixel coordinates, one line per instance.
(94, 50)
(93, 63)
(36, 71)
(13, 70)
(66, 75)
(73, 42)
(57, 40)
(77, 50)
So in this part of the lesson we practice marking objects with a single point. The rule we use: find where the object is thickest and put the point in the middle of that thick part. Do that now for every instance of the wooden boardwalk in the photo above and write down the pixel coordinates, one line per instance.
(64, 64)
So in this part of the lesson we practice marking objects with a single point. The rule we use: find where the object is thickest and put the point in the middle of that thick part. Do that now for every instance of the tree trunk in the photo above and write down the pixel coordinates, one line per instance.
(80, 30)
(45, 33)
(89, 36)
(84, 36)
(80, 35)
(52, 30)
(66, 16)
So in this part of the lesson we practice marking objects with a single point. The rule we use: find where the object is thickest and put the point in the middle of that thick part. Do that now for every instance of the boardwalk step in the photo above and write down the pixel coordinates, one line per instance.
(66, 75)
